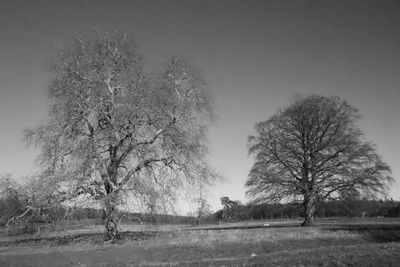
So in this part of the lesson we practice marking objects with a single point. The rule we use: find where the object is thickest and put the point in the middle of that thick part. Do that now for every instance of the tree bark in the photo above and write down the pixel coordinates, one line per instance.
(111, 213)
(309, 208)
(111, 221)
(111, 201)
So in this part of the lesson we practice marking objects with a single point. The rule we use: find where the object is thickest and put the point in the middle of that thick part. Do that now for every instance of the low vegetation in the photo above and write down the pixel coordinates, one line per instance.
(339, 242)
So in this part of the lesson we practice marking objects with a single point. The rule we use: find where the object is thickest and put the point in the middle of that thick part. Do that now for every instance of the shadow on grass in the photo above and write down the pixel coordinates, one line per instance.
(384, 236)
(93, 238)
(379, 233)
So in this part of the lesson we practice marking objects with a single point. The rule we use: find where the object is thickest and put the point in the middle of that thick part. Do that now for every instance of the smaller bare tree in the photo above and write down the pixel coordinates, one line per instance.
(312, 150)
(12, 200)
(227, 211)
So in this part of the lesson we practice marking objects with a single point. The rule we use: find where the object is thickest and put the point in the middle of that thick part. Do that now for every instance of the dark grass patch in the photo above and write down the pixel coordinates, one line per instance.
(364, 227)
(281, 253)
(384, 236)
(91, 238)
(351, 255)
(380, 233)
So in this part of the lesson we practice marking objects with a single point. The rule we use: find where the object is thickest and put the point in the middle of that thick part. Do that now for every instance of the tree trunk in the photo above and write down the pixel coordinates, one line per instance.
(309, 208)
(110, 204)
(111, 222)
(111, 214)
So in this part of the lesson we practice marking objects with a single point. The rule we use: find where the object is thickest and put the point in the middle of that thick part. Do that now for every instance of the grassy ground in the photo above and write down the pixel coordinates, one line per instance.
(330, 243)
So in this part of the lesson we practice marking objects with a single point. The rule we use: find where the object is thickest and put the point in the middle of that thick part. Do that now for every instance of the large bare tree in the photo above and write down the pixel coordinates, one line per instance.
(312, 150)
(113, 123)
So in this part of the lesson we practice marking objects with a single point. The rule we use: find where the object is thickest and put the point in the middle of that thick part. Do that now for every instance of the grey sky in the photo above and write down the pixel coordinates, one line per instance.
(255, 55)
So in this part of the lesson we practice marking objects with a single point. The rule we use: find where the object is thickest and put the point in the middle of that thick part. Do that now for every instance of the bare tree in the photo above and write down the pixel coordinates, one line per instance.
(228, 209)
(113, 123)
(11, 200)
(312, 150)
(203, 208)
(30, 202)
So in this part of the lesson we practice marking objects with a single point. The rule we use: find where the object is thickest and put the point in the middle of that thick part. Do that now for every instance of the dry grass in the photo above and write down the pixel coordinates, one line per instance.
(179, 246)
(243, 236)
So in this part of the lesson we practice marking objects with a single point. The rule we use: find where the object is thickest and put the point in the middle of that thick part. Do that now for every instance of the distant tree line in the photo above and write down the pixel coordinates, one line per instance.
(18, 208)
(333, 208)
(25, 206)
(13, 206)
(131, 217)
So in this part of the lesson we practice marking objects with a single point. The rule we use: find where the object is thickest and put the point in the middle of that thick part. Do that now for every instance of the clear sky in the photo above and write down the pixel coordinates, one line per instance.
(255, 55)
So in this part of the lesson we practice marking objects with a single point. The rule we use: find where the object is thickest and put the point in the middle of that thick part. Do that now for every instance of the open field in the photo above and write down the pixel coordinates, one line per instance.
(334, 242)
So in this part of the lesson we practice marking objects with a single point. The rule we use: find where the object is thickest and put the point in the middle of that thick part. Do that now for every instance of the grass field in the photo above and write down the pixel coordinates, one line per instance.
(334, 242)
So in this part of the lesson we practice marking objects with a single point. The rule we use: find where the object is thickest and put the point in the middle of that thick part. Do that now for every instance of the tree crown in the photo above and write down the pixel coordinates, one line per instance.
(114, 125)
(314, 147)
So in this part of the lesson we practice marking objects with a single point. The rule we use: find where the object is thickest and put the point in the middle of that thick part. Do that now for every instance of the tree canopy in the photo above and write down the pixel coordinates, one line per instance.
(313, 150)
(115, 126)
